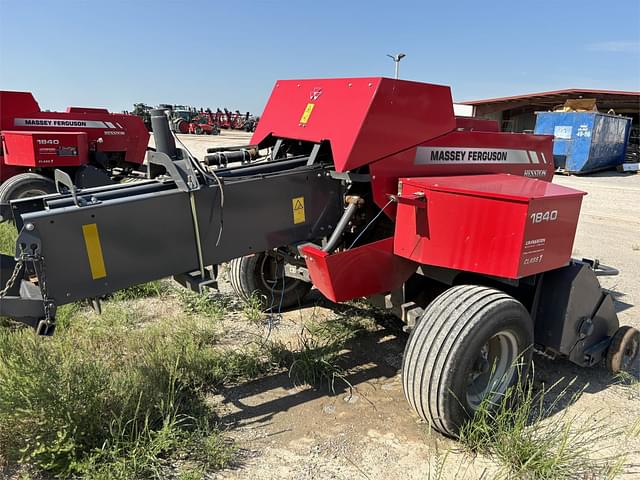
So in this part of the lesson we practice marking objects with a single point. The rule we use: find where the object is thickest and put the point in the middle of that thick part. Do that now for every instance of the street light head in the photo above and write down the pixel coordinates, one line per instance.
(397, 57)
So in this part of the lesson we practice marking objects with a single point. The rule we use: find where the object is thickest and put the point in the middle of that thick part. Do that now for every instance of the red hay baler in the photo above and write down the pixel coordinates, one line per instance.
(92, 145)
(371, 188)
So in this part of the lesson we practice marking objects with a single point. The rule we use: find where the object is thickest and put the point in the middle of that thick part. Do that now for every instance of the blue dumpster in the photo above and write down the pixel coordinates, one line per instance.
(585, 141)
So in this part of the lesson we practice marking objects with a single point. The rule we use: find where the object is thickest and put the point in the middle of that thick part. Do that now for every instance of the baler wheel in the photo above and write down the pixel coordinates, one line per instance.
(25, 185)
(471, 344)
(262, 275)
(623, 354)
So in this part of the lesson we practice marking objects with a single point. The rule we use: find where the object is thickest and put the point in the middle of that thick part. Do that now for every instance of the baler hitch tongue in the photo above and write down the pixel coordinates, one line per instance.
(23, 300)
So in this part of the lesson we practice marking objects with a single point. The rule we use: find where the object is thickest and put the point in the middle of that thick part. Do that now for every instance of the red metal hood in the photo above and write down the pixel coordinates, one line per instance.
(364, 119)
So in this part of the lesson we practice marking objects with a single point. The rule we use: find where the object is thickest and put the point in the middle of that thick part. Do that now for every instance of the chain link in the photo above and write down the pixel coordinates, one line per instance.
(13, 278)
(45, 325)
(42, 279)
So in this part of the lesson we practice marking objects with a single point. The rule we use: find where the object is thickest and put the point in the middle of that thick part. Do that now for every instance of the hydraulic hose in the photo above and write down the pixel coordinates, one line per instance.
(354, 202)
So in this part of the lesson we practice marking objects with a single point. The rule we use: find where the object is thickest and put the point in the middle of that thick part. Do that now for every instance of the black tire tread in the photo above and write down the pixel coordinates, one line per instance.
(238, 277)
(9, 185)
(242, 274)
(439, 335)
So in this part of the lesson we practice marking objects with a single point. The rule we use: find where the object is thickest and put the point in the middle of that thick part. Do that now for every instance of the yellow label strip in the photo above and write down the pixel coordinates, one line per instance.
(297, 204)
(94, 250)
(307, 113)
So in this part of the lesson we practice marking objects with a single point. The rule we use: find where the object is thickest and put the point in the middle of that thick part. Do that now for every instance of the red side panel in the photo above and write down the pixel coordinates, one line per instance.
(364, 119)
(359, 272)
(44, 149)
(502, 225)
(15, 104)
(465, 153)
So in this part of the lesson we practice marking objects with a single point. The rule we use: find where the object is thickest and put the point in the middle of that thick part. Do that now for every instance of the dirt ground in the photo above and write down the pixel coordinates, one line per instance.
(198, 144)
(368, 431)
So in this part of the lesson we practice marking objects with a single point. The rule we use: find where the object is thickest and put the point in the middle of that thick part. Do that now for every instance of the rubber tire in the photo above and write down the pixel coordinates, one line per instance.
(620, 341)
(444, 344)
(181, 125)
(245, 277)
(17, 186)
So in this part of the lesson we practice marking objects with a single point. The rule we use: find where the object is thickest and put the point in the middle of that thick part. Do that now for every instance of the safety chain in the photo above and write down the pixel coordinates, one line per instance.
(46, 325)
(12, 278)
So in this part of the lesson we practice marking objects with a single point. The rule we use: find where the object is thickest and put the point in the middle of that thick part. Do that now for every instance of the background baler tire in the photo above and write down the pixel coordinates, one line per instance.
(247, 276)
(25, 185)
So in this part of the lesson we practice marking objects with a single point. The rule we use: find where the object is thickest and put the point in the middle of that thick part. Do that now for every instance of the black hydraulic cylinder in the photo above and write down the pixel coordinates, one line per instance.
(223, 158)
(162, 136)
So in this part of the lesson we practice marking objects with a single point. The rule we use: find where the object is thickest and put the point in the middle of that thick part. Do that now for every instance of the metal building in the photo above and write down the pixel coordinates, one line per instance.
(517, 113)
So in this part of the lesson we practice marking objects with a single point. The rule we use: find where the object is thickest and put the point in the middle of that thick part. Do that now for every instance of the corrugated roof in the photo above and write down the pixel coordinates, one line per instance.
(554, 94)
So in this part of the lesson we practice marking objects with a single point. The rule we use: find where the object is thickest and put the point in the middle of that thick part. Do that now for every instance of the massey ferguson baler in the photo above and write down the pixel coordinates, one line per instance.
(87, 143)
(371, 188)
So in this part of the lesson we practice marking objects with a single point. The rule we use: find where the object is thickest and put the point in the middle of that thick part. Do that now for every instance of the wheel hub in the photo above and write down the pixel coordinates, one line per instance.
(33, 192)
(493, 369)
(272, 275)
(630, 353)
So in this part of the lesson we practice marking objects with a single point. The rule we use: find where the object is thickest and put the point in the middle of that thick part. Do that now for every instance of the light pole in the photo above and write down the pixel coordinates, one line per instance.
(396, 58)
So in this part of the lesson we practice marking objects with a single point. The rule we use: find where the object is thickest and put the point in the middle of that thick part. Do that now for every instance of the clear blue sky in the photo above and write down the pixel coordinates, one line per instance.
(207, 53)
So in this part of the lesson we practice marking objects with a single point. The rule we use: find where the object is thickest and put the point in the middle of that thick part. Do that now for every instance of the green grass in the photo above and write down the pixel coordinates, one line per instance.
(214, 307)
(8, 236)
(145, 290)
(122, 395)
(109, 398)
(314, 359)
(533, 438)
(629, 383)
(253, 308)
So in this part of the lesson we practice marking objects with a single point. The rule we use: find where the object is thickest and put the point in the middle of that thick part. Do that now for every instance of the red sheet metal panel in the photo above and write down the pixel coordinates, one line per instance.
(45, 149)
(358, 272)
(465, 153)
(105, 132)
(364, 119)
(502, 225)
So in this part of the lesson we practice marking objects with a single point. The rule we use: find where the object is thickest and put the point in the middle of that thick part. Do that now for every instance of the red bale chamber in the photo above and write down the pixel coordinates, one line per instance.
(502, 225)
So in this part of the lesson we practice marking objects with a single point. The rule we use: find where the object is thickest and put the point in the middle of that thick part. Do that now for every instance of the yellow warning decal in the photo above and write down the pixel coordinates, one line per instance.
(307, 113)
(298, 210)
(94, 250)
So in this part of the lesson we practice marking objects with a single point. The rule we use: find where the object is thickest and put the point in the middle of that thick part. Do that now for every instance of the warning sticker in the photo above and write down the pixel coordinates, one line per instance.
(306, 114)
(298, 210)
